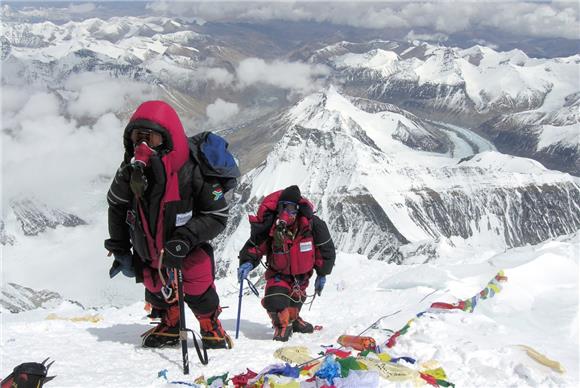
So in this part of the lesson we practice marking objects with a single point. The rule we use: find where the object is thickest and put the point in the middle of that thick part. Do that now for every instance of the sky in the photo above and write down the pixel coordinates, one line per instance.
(556, 19)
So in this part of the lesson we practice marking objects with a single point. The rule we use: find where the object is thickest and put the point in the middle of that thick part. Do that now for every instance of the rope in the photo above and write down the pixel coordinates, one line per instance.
(361, 333)
(368, 328)
(292, 299)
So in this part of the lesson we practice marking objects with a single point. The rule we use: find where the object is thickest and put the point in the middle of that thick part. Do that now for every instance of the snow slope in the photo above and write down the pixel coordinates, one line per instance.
(538, 307)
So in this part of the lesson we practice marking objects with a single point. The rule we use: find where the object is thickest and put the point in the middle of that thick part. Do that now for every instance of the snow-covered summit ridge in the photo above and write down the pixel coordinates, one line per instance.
(525, 106)
(537, 307)
(330, 111)
(488, 75)
(388, 129)
(118, 37)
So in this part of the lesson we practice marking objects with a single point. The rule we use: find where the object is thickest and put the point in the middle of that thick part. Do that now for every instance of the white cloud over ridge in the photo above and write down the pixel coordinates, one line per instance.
(295, 76)
(219, 75)
(437, 37)
(81, 8)
(528, 18)
(55, 143)
(221, 111)
(94, 94)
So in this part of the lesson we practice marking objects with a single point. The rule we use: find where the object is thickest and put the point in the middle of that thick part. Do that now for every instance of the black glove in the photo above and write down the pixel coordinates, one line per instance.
(319, 284)
(244, 271)
(174, 253)
(123, 263)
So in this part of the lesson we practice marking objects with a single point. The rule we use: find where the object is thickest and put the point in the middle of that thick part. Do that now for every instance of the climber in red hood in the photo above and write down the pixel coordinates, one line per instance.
(162, 213)
(296, 243)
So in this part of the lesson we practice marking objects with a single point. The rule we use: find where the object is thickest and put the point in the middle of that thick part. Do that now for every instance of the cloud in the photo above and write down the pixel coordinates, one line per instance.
(52, 158)
(437, 37)
(220, 111)
(95, 94)
(47, 12)
(82, 8)
(534, 18)
(220, 76)
(39, 105)
(48, 157)
(57, 143)
(295, 76)
(549, 20)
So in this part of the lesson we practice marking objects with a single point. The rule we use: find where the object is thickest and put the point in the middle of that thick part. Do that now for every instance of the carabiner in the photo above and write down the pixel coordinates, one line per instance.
(167, 291)
(253, 288)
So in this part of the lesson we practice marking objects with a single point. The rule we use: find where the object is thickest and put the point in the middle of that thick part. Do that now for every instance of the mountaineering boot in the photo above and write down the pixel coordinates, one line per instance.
(166, 333)
(213, 335)
(281, 323)
(299, 325)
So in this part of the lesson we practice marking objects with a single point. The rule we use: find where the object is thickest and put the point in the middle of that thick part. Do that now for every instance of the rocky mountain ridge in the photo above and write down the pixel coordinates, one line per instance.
(384, 199)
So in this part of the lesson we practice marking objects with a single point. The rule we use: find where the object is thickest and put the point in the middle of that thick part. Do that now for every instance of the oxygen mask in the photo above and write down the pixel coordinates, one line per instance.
(287, 212)
(143, 154)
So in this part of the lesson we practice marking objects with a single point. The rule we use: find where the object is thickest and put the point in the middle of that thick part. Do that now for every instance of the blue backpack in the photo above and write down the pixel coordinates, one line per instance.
(210, 151)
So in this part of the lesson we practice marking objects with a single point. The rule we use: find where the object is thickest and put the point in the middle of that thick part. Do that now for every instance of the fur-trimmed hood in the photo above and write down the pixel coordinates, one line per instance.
(160, 117)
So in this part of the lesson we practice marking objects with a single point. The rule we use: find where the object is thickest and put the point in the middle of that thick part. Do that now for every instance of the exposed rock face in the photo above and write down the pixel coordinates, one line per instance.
(531, 134)
(360, 225)
(523, 215)
(36, 218)
(5, 238)
(16, 298)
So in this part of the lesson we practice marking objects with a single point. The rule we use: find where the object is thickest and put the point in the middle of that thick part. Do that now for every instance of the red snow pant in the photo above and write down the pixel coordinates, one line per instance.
(198, 284)
(283, 291)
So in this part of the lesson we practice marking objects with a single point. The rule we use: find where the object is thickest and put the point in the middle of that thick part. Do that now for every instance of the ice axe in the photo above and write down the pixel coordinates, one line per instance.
(168, 292)
(183, 330)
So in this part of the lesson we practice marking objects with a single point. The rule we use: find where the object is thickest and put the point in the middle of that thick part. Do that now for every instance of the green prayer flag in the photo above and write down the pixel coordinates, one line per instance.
(223, 377)
(348, 364)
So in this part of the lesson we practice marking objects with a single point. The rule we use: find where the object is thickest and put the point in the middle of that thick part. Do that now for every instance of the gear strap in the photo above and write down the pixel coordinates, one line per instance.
(202, 358)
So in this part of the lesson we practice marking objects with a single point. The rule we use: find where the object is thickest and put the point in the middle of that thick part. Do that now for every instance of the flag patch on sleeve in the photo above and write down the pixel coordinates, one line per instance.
(217, 193)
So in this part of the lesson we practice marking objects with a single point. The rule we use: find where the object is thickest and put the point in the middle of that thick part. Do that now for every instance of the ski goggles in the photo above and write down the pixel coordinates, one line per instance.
(290, 207)
(152, 138)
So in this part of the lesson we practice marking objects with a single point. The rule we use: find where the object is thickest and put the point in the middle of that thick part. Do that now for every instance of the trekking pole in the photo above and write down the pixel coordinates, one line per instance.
(311, 303)
(239, 308)
(182, 326)
(240, 296)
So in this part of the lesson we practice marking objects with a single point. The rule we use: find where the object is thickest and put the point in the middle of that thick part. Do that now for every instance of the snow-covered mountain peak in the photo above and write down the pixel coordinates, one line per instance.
(117, 37)
(377, 59)
(442, 67)
(380, 195)
(490, 78)
(330, 111)
(523, 105)
(486, 56)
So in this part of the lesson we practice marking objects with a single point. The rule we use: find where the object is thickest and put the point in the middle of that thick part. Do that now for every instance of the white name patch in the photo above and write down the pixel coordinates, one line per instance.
(306, 246)
(181, 219)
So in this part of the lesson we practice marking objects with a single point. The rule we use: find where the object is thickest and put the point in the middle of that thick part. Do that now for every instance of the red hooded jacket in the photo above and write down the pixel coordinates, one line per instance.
(179, 201)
